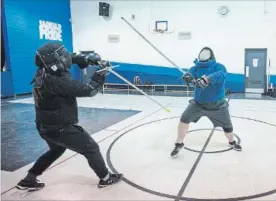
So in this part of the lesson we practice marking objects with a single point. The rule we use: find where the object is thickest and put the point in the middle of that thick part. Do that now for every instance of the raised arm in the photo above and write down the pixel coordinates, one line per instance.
(66, 86)
(218, 76)
(83, 61)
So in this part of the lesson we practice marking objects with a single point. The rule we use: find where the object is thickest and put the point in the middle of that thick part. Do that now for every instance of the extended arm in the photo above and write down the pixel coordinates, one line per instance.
(66, 86)
(218, 76)
(83, 61)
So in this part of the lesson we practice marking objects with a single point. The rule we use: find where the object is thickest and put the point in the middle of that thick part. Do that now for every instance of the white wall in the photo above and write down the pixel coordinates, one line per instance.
(246, 26)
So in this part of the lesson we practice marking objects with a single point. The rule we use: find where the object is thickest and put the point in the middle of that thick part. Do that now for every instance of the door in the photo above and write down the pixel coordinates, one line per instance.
(255, 70)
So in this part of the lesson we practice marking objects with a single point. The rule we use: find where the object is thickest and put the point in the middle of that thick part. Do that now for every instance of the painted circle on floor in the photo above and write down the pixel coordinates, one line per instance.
(110, 164)
(211, 152)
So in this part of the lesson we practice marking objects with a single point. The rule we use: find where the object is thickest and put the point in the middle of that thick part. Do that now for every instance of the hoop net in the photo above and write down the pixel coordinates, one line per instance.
(161, 31)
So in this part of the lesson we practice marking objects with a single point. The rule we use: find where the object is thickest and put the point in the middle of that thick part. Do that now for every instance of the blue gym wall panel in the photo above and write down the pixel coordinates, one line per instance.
(23, 22)
(166, 75)
(6, 77)
(6, 84)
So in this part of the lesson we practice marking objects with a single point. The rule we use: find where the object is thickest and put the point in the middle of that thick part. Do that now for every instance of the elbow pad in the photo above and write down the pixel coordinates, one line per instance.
(85, 60)
(80, 60)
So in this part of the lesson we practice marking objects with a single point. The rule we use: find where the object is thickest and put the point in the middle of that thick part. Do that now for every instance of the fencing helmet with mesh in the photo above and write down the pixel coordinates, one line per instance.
(206, 54)
(53, 57)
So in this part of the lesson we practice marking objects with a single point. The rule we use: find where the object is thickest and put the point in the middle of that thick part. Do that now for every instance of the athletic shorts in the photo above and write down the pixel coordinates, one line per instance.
(218, 114)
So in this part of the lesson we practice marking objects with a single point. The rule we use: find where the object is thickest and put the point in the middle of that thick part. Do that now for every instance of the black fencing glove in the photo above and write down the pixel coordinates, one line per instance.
(97, 82)
(202, 82)
(188, 78)
(104, 65)
(98, 78)
(93, 58)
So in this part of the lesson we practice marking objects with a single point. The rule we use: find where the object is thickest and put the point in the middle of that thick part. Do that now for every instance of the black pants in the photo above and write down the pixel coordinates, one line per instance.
(73, 137)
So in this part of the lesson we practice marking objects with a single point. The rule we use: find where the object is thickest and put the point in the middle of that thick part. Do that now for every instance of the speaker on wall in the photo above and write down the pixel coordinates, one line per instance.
(104, 9)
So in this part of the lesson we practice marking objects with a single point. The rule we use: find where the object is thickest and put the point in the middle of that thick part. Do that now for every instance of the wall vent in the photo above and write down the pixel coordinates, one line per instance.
(184, 35)
(113, 38)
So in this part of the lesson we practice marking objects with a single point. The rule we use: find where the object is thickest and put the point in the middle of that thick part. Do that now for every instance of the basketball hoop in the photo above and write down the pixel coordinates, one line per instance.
(161, 27)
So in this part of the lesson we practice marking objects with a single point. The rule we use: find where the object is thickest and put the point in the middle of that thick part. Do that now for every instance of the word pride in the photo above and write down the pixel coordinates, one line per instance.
(50, 30)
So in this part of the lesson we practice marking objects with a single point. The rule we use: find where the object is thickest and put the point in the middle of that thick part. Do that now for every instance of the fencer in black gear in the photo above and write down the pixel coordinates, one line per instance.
(55, 94)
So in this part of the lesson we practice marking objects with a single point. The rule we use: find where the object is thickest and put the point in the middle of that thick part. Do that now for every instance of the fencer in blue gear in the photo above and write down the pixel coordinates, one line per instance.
(209, 78)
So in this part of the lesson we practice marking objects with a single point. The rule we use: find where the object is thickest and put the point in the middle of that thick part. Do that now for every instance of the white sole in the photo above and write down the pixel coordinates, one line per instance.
(103, 186)
(27, 188)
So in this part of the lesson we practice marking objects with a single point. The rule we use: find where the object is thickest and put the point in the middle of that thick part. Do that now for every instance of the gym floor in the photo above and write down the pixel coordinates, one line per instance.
(136, 137)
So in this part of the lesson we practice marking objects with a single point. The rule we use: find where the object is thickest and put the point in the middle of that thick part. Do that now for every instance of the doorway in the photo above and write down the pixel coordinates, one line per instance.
(255, 70)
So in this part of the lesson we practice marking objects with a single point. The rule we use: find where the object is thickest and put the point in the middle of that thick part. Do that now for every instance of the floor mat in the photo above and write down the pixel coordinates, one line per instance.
(22, 145)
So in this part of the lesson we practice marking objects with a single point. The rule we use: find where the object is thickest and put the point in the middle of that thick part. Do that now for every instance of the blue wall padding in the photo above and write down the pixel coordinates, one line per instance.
(23, 35)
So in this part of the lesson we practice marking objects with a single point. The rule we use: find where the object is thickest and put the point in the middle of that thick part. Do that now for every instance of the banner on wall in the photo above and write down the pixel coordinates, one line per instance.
(50, 30)
(31, 24)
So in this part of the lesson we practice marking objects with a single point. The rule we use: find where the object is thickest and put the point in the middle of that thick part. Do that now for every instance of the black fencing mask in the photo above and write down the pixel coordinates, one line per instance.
(54, 57)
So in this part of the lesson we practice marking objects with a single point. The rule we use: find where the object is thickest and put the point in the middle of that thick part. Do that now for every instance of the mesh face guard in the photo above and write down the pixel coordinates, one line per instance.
(57, 61)
(205, 55)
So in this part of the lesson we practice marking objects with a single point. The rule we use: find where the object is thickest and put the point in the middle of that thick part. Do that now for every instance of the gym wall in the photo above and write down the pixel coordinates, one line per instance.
(27, 25)
(249, 24)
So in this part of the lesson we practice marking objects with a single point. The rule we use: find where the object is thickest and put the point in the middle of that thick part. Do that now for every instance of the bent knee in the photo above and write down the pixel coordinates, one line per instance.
(187, 119)
(58, 152)
(228, 130)
(184, 120)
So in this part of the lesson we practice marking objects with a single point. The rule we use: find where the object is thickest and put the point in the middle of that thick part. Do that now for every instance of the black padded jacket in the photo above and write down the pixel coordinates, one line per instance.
(56, 97)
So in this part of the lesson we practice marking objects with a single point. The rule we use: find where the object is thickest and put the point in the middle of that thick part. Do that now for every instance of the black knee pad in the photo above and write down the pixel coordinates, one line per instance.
(228, 130)
(183, 120)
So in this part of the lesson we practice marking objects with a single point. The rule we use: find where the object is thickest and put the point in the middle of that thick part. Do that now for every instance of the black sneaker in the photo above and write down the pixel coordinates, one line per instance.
(176, 149)
(235, 146)
(30, 185)
(113, 179)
